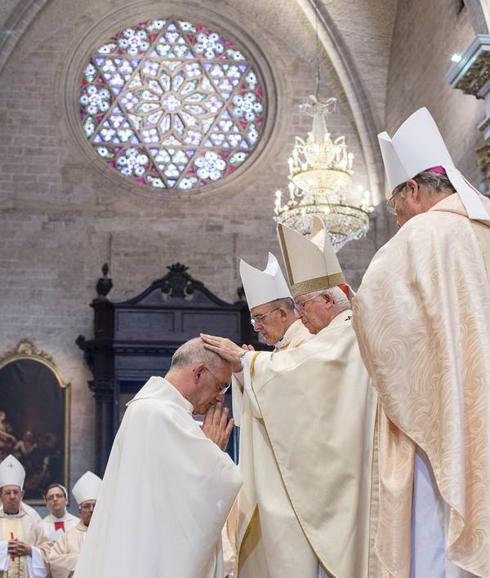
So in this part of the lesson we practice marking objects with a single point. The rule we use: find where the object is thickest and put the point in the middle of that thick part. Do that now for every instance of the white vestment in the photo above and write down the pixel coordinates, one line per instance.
(21, 527)
(317, 410)
(165, 496)
(29, 510)
(63, 555)
(421, 318)
(48, 524)
(282, 549)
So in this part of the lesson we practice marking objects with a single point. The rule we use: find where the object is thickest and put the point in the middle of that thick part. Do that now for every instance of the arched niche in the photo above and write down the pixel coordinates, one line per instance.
(34, 418)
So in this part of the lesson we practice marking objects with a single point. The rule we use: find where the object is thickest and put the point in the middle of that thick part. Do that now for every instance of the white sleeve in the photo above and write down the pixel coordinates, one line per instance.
(4, 556)
(35, 564)
(247, 386)
(237, 396)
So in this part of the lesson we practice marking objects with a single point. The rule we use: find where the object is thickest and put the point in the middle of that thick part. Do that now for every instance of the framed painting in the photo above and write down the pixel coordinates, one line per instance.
(34, 418)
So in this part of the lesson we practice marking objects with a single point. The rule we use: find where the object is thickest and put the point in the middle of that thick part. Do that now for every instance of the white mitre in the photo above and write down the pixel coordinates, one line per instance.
(311, 264)
(87, 488)
(263, 286)
(12, 472)
(417, 146)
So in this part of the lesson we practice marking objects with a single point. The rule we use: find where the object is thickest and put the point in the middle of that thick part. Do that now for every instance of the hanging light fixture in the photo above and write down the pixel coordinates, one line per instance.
(320, 180)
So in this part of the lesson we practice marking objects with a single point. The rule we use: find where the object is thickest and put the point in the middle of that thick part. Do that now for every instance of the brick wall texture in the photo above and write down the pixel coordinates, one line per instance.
(62, 216)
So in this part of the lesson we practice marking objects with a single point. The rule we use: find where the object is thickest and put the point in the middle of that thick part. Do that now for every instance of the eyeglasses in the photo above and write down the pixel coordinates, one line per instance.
(390, 203)
(259, 319)
(225, 388)
(87, 507)
(300, 306)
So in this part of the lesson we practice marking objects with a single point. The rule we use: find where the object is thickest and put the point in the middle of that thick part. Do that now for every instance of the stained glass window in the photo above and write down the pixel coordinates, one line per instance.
(172, 104)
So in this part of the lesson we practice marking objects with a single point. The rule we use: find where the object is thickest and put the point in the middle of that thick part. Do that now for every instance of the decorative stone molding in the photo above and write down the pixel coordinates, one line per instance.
(472, 75)
(484, 161)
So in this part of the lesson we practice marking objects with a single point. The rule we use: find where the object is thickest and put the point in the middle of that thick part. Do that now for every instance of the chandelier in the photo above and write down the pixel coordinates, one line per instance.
(320, 175)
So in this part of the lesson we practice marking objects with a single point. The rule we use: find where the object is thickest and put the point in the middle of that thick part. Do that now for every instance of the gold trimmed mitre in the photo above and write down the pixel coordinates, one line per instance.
(311, 264)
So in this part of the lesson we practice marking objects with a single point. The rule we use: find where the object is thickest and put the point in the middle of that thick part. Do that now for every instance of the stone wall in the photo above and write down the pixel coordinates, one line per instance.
(62, 215)
(425, 36)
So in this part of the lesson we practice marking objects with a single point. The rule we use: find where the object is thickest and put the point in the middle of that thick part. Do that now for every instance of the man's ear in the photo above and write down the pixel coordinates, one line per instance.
(197, 371)
(22, 494)
(413, 190)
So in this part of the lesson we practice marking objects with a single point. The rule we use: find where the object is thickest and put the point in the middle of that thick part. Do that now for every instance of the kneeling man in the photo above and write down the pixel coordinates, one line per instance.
(169, 485)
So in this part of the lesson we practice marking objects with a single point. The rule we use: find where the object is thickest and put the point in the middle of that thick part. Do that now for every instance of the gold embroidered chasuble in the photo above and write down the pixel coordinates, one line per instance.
(24, 528)
(275, 545)
(421, 316)
(318, 413)
(64, 553)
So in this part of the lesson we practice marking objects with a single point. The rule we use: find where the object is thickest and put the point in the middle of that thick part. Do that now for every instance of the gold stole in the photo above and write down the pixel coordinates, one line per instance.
(12, 527)
(252, 536)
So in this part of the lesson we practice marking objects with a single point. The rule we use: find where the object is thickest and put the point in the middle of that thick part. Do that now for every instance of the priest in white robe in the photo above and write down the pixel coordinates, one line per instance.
(421, 316)
(169, 485)
(21, 538)
(63, 555)
(59, 520)
(263, 494)
(318, 413)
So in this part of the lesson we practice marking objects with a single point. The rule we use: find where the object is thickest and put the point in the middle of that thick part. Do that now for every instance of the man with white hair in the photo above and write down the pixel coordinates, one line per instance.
(21, 538)
(421, 316)
(59, 520)
(318, 411)
(63, 555)
(263, 494)
(169, 485)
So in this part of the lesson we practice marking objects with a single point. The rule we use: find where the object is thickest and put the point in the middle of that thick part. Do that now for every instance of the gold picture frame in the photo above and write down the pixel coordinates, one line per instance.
(12, 374)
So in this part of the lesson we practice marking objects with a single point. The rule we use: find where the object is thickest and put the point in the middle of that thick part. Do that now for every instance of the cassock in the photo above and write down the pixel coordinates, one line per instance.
(317, 410)
(64, 554)
(165, 496)
(421, 316)
(54, 527)
(278, 546)
(22, 527)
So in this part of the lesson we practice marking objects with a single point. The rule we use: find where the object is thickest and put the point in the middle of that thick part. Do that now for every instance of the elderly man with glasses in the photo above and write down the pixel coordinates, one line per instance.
(421, 317)
(263, 494)
(318, 413)
(169, 485)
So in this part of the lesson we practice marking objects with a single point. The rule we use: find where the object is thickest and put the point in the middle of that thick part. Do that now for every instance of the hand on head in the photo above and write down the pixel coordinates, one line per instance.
(225, 348)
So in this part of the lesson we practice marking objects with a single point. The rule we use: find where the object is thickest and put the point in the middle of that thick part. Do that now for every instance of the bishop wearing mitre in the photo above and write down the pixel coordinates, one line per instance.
(318, 409)
(422, 317)
(263, 494)
(21, 537)
(63, 555)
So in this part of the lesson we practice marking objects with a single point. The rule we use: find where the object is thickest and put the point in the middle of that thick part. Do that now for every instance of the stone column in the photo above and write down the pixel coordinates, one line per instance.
(471, 74)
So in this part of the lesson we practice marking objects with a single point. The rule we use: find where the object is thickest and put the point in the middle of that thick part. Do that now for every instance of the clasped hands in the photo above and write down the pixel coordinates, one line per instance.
(17, 548)
(216, 425)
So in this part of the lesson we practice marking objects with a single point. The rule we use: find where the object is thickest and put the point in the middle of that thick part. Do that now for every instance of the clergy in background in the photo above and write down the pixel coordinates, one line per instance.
(21, 537)
(63, 555)
(422, 319)
(59, 520)
(169, 485)
(263, 494)
(318, 412)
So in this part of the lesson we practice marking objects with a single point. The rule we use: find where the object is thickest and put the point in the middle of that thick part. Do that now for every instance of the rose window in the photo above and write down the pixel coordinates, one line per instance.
(172, 105)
